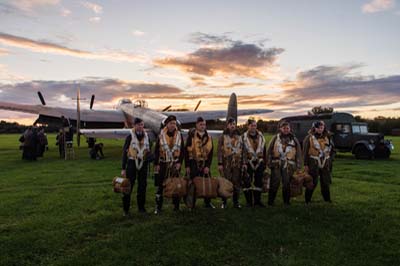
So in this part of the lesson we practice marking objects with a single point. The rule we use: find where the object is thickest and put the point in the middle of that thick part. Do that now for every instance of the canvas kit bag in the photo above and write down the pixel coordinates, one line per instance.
(121, 185)
(206, 187)
(225, 188)
(175, 187)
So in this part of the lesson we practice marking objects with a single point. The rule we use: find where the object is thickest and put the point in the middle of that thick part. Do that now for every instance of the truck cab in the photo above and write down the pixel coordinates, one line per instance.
(348, 134)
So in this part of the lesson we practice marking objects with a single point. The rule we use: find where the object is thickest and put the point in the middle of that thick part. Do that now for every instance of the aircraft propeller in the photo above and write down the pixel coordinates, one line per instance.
(166, 108)
(169, 107)
(197, 106)
(91, 102)
(41, 98)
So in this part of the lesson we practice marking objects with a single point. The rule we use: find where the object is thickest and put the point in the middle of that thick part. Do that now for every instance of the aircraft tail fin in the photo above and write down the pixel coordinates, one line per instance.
(232, 107)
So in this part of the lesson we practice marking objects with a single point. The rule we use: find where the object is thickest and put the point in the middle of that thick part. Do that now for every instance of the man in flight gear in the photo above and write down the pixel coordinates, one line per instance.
(254, 157)
(42, 142)
(67, 129)
(169, 154)
(283, 158)
(199, 154)
(230, 159)
(318, 150)
(29, 141)
(96, 153)
(135, 164)
(60, 143)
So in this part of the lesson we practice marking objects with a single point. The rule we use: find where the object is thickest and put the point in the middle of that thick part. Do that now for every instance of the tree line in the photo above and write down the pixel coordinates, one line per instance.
(14, 127)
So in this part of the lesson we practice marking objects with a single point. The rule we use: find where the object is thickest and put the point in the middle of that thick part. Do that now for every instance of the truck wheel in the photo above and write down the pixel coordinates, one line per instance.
(361, 152)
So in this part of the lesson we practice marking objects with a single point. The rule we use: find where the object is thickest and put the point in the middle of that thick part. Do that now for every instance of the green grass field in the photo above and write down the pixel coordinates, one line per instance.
(55, 212)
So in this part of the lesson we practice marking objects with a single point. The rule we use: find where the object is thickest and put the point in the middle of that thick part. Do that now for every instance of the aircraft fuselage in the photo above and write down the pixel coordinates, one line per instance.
(152, 119)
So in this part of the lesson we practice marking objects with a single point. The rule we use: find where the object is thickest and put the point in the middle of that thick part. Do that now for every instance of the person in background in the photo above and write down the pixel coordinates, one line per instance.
(42, 142)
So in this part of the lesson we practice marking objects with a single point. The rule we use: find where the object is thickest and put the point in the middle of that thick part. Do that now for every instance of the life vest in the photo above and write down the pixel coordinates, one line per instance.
(138, 149)
(170, 147)
(320, 149)
(232, 146)
(200, 147)
(254, 148)
(285, 153)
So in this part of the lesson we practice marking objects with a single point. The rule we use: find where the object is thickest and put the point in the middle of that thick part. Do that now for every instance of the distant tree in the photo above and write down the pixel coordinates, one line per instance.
(13, 127)
(321, 110)
(358, 118)
(6, 127)
(381, 118)
(267, 126)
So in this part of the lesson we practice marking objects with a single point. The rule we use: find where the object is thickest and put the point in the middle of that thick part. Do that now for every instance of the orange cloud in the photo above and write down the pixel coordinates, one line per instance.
(239, 59)
(48, 47)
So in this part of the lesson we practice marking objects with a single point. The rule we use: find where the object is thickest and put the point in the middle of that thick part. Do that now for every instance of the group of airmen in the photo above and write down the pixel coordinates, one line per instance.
(33, 143)
(242, 159)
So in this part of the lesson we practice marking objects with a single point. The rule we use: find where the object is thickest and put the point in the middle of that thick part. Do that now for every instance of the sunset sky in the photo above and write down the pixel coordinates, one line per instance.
(283, 55)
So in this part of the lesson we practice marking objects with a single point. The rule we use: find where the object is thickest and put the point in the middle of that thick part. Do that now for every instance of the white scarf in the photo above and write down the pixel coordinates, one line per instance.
(135, 143)
(169, 153)
(235, 149)
(288, 149)
(250, 149)
(323, 154)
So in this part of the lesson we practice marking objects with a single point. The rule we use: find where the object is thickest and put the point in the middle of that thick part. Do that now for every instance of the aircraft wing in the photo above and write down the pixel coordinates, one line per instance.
(212, 133)
(191, 116)
(122, 133)
(113, 116)
(109, 133)
(112, 133)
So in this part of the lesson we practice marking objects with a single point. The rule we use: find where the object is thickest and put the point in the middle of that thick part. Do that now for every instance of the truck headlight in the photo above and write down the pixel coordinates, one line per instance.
(371, 147)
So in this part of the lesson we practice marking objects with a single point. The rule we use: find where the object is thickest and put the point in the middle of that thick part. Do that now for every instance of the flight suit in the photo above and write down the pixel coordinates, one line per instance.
(283, 158)
(318, 150)
(198, 155)
(254, 157)
(230, 157)
(169, 152)
(134, 159)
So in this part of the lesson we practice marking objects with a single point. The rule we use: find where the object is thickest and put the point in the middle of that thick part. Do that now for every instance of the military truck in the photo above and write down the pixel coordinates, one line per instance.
(348, 134)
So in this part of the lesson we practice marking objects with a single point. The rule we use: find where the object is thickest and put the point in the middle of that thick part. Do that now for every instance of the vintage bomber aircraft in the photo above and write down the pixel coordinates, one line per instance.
(117, 123)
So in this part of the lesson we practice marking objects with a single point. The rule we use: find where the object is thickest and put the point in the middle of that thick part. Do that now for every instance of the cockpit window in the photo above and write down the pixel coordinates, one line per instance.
(125, 101)
(140, 103)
